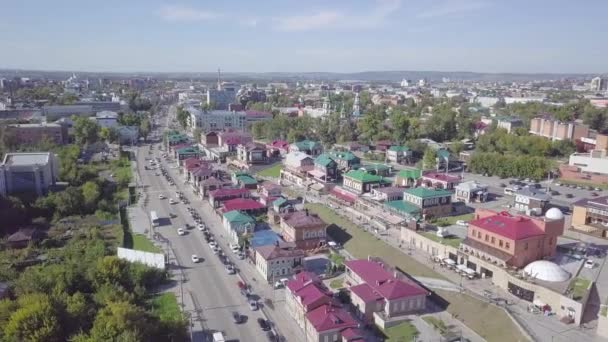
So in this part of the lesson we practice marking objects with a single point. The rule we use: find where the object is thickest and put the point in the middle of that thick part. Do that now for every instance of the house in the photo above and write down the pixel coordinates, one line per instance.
(23, 237)
(251, 153)
(237, 224)
(549, 127)
(509, 123)
(296, 166)
(590, 215)
(211, 184)
(422, 203)
(383, 145)
(382, 296)
(353, 146)
(188, 152)
(531, 200)
(175, 138)
(389, 193)
(513, 240)
(28, 172)
(312, 148)
(408, 177)
(190, 164)
(443, 160)
(361, 182)
(269, 192)
(244, 180)
(278, 261)
(439, 180)
(229, 140)
(304, 293)
(244, 205)
(328, 322)
(325, 168)
(398, 154)
(219, 196)
(346, 160)
(210, 139)
(277, 148)
(263, 237)
(35, 133)
(471, 191)
(305, 229)
(377, 169)
(199, 174)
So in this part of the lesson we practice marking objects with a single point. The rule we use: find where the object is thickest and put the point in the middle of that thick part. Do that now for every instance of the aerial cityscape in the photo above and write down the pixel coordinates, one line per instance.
(367, 170)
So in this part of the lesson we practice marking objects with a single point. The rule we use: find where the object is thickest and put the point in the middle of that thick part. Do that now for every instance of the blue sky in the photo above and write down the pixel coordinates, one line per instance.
(305, 35)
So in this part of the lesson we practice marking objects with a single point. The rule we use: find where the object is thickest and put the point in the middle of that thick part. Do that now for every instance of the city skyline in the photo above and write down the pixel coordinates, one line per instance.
(274, 36)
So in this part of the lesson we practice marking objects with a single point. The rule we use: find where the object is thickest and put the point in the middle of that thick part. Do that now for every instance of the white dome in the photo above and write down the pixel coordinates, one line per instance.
(546, 271)
(554, 214)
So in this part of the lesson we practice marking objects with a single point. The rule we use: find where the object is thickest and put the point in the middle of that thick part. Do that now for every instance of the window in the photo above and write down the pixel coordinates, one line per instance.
(499, 243)
(507, 245)
(487, 237)
(492, 240)
(479, 235)
(526, 246)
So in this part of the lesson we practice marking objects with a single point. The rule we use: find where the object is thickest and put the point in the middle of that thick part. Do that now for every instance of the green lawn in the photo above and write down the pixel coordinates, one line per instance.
(436, 323)
(451, 220)
(336, 258)
(453, 241)
(404, 332)
(273, 171)
(336, 283)
(579, 287)
(470, 311)
(141, 243)
(166, 307)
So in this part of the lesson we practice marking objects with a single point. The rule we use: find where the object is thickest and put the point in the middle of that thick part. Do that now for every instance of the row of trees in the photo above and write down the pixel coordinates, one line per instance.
(500, 141)
(88, 132)
(504, 165)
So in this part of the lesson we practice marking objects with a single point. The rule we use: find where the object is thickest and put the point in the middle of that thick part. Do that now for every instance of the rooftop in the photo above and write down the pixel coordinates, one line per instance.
(403, 207)
(242, 204)
(306, 144)
(365, 292)
(26, 158)
(348, 156)
(441, 177)
(471, 186)
(228, 192)
(410, 173)
(324, 159)
(598, 202)
(236, 216)
(427, 193)
(384, 283)
(362, 176)
(507, 225)
(264, 237)
(270, 252)
(399, 148)
(302, 219)
(329, 317)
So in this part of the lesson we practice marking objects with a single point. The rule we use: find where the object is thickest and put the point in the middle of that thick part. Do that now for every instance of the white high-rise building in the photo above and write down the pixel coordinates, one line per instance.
(405, 83)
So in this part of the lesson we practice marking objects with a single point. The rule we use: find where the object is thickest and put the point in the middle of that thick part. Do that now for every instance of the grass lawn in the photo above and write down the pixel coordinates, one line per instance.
(453, 241)
(141, 243)
(336, 258)
(403, 332)
(451, 220)
(579, 287)
(436, 323)
(472, 312)
(273, 171)
(336, 283)
(166, 307)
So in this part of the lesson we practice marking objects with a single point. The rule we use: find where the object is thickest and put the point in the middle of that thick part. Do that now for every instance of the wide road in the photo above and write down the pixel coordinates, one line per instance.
(214, 291)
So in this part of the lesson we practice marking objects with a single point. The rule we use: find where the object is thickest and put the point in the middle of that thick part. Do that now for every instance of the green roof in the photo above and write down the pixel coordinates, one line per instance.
(236, 216)
(306, 144)
(247, 179)
(323, 159)
(188, 150)
(279, 202)
(403, 207)
(348, 156)
(362, 176)
(427, 193)
(443, 154)
(410, 173)
(399, 148)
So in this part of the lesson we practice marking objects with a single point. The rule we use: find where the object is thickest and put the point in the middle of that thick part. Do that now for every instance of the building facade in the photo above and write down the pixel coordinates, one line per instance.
(35, 133)
(304, 229)
(28, 173)
(590, 215)
(550, 128)
(278, 261)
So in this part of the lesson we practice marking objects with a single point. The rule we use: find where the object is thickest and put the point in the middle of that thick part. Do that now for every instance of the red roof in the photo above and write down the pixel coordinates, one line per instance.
(242, 204)
(282, 144)
(382, 282)
(301, 279)
(351, 333)
(330, 317)
(312, 293)
(228, 192)
(441, 177)
(365, 292)
(509, 226)
(343, 196)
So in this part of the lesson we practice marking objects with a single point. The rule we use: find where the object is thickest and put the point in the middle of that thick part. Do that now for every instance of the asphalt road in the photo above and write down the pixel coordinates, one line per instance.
(213, 289)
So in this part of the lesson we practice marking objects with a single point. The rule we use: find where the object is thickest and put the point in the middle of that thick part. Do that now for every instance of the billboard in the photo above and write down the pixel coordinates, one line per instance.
(156, 260)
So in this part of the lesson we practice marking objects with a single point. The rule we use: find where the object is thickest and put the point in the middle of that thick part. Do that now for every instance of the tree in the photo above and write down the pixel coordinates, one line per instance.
(429, 161)
(85, 130)
(120, 319)
(37, 319)
(401, 125)
(68, 163)
(144, 128)
(90, 193)
(257, 129)
(182, 117)
(69, 202)
(104, 133)
(456, 147)
(111, 270)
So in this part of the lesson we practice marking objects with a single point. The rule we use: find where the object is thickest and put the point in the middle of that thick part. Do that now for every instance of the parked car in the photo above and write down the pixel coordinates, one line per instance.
(172, 201)
(236, 317)
(569, 195)
(161, 196)
(263, 324)
(195, 258)
(462, 223)
(271, 336)
(181, 231)
(253, 305)
(589, 263)
(201, 226)
(594, 194)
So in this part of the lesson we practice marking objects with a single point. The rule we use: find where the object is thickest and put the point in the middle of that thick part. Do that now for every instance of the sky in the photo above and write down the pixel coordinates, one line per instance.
(528, 36)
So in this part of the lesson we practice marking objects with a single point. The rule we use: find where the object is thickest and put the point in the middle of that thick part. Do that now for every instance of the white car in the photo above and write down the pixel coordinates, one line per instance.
(230, 269)
(241, 255)
(234, 247)
(253, 305)
(201, 227)
(161, 196)
(461, 223)
(195, 258)
(172, 201)
(181, 231)
(212, 244)
(278, 284)
(589, 263)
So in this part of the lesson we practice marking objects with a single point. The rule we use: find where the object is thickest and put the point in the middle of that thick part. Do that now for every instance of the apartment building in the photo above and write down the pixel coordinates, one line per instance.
(28, 134)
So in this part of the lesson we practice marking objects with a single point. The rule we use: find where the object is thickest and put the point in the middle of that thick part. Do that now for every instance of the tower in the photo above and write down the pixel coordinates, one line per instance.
(219, 80)
(356, 106)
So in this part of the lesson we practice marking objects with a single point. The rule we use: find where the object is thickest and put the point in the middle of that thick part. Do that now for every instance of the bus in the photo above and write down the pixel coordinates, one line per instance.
(154, 218)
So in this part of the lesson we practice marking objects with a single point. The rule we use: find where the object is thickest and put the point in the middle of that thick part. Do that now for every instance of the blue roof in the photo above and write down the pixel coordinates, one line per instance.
(264, 238)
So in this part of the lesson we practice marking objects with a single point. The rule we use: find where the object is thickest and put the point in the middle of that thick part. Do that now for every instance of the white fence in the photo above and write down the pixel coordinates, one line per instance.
(147, 258)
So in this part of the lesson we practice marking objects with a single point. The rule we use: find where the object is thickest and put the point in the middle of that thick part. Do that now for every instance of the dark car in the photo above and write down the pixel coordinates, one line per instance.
(263, 324)
(503, 185)
(594, 194)
(271, 336)
(569, 195)
(236, 317)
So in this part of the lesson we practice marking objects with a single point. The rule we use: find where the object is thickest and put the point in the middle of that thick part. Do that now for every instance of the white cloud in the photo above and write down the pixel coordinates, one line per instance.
(181, 13)
(334, 19)
(451, 7)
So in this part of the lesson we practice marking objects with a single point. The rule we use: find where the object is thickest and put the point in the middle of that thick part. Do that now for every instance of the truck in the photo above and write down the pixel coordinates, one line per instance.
(218, 337)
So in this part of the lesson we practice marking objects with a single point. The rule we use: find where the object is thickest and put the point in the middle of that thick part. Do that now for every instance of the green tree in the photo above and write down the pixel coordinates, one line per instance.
(429, 161)
(118, 320)
(68, 163)
(182, 117)
(37, 319)
(258, 129)
(90, 193)
(79, 313)
(401, 124)
(69, 202)
(85, 130)
(144, 128)
(104, 133)
(111, 270)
